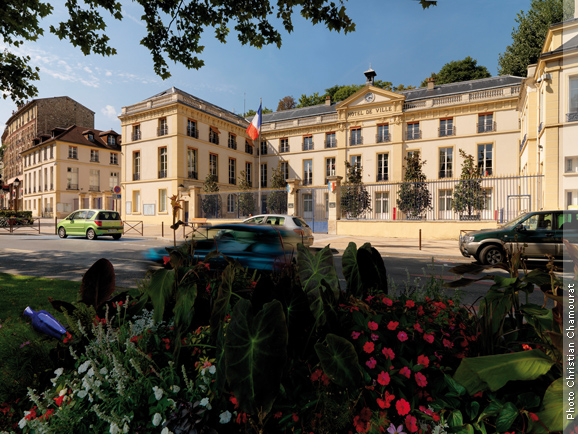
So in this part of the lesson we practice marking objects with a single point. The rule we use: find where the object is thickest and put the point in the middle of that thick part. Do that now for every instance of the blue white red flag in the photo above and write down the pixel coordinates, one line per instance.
(255, 126)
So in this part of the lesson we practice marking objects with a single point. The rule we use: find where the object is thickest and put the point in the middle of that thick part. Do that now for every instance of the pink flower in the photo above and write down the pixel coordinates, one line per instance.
(420, 379)
(423, 360)
(383, 378)
(410, 423)
(417, 327)
(447, 343)
(402, 336)
(374, 337)
(388, 353)
(355, 335)
(387, 301)
(409, 303)
(368, 347)
(372, 325)
(392, 325)
(405, 372)
(402, 407)
(428, 337)
(371, 363)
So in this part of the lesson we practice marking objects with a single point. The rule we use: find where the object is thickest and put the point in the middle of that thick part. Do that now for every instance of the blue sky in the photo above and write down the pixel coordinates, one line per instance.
(402, 43)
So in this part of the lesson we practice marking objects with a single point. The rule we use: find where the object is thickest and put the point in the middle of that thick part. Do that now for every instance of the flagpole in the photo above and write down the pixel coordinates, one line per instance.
(259, 152)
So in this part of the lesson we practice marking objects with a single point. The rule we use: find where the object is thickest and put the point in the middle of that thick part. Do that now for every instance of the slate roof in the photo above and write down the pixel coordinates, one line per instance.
(76, 135)
(571, 44)
(411, 95)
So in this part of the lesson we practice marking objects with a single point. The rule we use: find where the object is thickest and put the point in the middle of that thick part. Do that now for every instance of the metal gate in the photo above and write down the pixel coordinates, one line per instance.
(314, 206)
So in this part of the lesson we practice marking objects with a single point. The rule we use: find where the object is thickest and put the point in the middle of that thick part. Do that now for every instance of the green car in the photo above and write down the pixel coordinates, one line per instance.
(92, 223)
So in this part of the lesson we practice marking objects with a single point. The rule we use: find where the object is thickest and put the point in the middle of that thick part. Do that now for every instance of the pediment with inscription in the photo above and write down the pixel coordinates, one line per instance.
(371, 100)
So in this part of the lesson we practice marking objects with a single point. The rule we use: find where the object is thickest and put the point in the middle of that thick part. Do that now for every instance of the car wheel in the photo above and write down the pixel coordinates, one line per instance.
(492, 255)
(116, 236)
(62, 232)
(90, 234)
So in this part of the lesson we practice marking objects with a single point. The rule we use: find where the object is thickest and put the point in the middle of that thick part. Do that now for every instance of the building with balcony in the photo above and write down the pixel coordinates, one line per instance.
(70, 169)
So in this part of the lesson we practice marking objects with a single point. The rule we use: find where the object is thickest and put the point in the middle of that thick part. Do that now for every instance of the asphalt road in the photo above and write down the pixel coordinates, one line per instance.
(68, 259)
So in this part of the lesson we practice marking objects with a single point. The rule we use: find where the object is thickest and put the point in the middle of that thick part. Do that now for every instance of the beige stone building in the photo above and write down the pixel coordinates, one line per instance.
(70, 169)
(30, 121)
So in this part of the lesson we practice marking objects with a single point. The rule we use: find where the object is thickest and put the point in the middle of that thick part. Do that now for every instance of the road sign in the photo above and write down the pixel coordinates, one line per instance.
(117, 190)
(117, 196)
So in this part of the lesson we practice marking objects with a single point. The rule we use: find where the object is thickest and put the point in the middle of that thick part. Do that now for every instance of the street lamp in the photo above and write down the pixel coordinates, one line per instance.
(16, 185)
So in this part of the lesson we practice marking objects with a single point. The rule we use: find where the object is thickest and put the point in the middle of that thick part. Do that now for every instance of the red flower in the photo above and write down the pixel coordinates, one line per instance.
(447, 343)
(417, 327)
(411, 423)
(278, 415)
(386, 401)
(295, 417)
(409, 303)
(423, 360)
(355, 335)
(166, 260)
(67, 338)
(388, 353)
(234, 401)
(167, 343)
(371, 363)
(526, 347)
(405, 372)
(387, 301)
(369, 347)
(428, 337)
(402, 407)
(420, 379)
(383, 378)
(392, 325)
(58, 400)
(402, 336)
(372, 325)
(32, 414)
(47, 414)
(533, 417)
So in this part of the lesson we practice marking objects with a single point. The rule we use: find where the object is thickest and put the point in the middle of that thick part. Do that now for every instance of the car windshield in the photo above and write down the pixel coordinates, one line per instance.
(517, 220)
(300, 222)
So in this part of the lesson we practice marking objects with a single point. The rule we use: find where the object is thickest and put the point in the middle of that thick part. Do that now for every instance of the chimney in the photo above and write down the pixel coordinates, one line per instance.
(576, 9)
(370, 75)
(328, 100)
(431, 82)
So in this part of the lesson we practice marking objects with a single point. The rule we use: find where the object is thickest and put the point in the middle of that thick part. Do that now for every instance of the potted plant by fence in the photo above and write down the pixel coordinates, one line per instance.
(247, 198)
(469, 196)
(355, 199)
(277, 200)
(414, 197)
(211, 203)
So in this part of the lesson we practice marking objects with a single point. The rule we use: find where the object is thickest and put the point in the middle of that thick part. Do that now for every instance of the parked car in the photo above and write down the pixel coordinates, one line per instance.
(258, 247)
(92, 223)
(296, 224)
(540, 231)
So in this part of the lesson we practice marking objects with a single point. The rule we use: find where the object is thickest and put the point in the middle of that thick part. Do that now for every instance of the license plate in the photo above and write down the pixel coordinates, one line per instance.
(113, 230)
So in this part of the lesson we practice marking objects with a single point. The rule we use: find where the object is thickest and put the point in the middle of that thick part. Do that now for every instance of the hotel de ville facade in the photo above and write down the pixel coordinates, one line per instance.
(521, 132)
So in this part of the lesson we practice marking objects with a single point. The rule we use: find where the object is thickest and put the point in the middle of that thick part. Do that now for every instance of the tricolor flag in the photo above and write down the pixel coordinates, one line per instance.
(255, 126)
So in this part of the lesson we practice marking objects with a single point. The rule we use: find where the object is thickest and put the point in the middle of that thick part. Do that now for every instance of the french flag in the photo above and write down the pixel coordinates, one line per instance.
(255, 126)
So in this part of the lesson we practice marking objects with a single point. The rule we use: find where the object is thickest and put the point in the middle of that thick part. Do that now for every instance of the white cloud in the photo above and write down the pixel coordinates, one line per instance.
(109, 112)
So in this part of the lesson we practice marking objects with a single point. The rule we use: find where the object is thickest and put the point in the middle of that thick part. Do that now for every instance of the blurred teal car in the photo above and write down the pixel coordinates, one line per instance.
(92, 223)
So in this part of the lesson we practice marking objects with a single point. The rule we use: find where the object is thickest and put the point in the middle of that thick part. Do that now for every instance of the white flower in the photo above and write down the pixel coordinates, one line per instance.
(114, 429)
(125, 428)
(175, 389)
(158, 392)
(63, 392)
(81, 394)
(205, 403)
(225, 417)
(166, 431)
(59, 372)
(103, 371)
(90, 372)
(157, 418)
(212, 369)
(82, 368)
(22, 422)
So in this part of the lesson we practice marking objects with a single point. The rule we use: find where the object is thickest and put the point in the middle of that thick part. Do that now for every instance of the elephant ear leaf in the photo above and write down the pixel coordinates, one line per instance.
(221, 305)
(339, 361)
(351, 270)
(371, 269)
(313, 269)
(160, 290)
(255, 355)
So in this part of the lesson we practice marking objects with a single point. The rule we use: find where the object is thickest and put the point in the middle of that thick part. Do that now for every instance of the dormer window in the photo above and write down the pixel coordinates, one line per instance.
(111, 140)
(90, 137)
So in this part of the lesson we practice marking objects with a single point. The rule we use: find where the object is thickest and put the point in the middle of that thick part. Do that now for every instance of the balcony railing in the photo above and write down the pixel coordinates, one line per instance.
(284, 149)
(93, 188)
(192, 174)
(162, 173)
(382, 177)
(413, 135)
(192, 132)
(486, 127)
(72, 186)
(136, 176)
(94, 159)
(307, 181)
(162, 131)
(136, 135)
(447, 131)
(572, 117)
(232, 181)
(356, 140)
(382, 138)
(307, 146)
(45, 187)
(331, 143)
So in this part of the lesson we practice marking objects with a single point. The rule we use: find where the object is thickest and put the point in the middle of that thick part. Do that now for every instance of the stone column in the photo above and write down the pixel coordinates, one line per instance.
(293, 196)
(334, 185)
(195, 202)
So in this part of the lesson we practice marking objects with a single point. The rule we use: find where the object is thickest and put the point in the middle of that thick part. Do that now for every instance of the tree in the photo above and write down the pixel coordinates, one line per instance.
(355, 199)
(211, 204)
(469, 195)
(528, 37)
(174, 30)
(459, 70)
(247, 198)
(252, 113)
(277, 200)
(286, 103)
(414, 197)
(308, 101)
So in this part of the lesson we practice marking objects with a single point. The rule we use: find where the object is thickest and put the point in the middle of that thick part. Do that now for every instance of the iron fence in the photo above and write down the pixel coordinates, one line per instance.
(487, 198)
(237, 204)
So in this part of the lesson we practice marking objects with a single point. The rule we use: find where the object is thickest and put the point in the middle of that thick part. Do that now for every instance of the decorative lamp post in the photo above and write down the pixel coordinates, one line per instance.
(16, 184)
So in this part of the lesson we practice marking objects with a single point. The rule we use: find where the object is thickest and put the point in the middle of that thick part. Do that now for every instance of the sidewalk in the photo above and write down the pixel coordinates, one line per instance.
(386, 246)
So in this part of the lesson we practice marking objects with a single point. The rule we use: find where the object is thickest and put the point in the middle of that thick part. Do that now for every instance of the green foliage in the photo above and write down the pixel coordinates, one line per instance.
(339, 361)
(528, 37)
(414, 197)
(364, 270)
(469, 196)
(251, 113)
(211, 203)
(459, 70)
(246, 199)
(286, 103)
(277, 200)
(355, 199)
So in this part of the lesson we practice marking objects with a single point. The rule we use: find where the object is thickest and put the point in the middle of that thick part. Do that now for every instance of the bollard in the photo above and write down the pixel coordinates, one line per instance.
(162, 229)
(55, 225)
(420, 239)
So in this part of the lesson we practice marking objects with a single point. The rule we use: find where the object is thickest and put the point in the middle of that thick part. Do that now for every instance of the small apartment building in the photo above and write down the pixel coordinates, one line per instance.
(70, 169)
(549, 117)
(172, 142)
